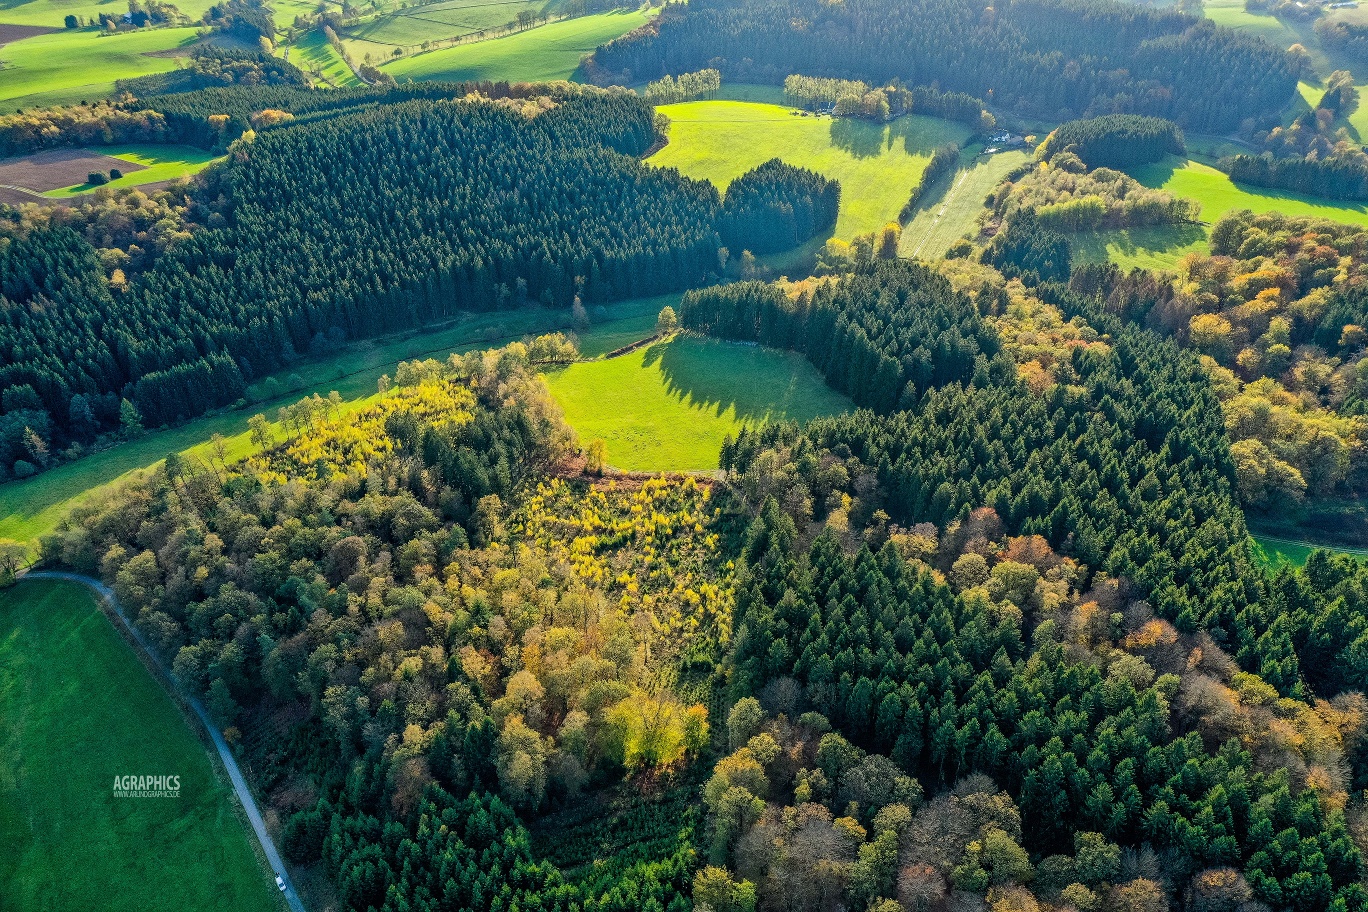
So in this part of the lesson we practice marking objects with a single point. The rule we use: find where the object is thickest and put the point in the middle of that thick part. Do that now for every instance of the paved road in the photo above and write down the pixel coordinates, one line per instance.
(229, 762)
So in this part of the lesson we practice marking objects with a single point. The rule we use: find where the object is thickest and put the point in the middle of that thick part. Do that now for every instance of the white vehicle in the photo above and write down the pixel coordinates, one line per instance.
(280, 882)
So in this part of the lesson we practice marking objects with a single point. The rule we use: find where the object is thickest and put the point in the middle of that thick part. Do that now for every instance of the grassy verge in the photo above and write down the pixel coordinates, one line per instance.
(668, 406)
(33, 507)
(159, 163)
(951, 212)
(78, 709)
(1275, 552)
(877, 164)
(545, 54)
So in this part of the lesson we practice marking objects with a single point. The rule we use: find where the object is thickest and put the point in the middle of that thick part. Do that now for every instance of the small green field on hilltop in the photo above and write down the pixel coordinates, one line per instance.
(951, 211)
(81, 65)
(159, 163)
(668, 405)
(1218, 194)
(877, 164)
(32, 507)
(77, 709)
(544, 54)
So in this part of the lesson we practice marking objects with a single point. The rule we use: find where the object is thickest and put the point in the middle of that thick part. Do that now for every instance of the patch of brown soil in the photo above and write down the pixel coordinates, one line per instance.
(57, 168)
(12, 33)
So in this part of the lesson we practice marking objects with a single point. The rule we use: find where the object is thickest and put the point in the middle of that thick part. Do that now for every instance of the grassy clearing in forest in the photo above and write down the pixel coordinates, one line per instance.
(1159, 248)
(877, 164)
(77, 709)
(667, 406)
(544, 54)
(32, 507)
(1274, 552)
(1218, 194)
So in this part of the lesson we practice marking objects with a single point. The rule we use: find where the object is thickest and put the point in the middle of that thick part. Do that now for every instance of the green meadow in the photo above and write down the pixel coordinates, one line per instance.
(82, 64)
(159, 163)
(1218, 194)
(544, 54)
(407, 25)
(668, 406)
(951, 213)
(77, 709)
(32, 507)
(877, 164)
(51, 13)
(1140, 248)
(313, 54)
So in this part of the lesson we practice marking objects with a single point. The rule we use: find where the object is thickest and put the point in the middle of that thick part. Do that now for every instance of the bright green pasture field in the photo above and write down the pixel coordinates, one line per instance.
(877, 164)
(77, 709)
(439, 20)
(72, 66)
(33, 507)
(544, 54)
(1159, 248)
(1218, 194)
(313, 52)
(160, 163)
(52, 13)
(949, 215)
(667, 406)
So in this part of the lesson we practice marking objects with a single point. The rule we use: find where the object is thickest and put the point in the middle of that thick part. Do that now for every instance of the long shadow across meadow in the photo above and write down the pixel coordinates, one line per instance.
(758, 383)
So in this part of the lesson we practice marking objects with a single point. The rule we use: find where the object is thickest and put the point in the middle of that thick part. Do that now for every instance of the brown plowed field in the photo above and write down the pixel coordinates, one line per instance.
(57, 168)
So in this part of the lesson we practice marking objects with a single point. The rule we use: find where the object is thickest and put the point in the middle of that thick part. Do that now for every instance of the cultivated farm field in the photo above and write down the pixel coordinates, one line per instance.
(545, 54)
(78, 709)
(877, 164)
(668, 405)
(61, 173)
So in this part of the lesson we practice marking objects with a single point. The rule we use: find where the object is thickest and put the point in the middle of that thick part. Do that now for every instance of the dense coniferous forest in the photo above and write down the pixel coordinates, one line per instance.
(777, 206)
(1116, 140)
(995, 639)
(379, 219)
(883, 336)
(1049, 57)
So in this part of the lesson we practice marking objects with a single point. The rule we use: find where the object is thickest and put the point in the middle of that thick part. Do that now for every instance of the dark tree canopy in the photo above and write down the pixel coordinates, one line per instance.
(1053, 58)
(775, 206)
(1117, 140)
(373, 220)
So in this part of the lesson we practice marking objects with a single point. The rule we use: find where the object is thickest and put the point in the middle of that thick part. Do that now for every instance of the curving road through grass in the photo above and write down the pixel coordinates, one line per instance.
(106, 595)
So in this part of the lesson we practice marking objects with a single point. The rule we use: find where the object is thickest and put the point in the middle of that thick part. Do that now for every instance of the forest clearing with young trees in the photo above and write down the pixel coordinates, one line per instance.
(732, 482)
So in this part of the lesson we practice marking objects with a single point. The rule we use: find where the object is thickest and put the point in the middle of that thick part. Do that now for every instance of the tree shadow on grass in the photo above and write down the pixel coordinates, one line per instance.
(860, 138)
(1156, 174)
(717, 376)
(1095, 247)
